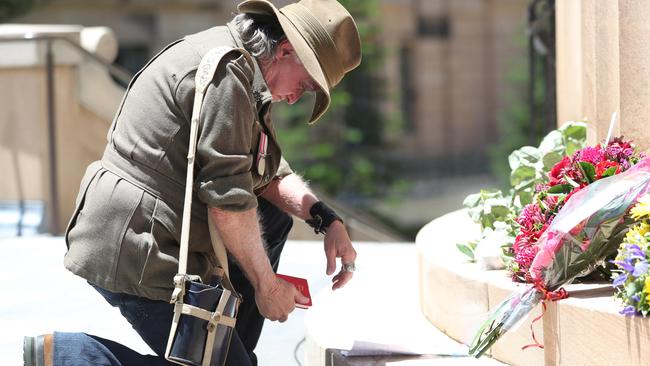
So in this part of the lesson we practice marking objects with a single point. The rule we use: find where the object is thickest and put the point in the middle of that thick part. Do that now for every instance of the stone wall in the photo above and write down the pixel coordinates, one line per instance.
(80, 130)
(456, 81)
(456, 78)
(603, 49)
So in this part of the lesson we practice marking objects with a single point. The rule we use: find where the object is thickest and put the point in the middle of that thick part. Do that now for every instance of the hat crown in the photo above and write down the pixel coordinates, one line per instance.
(340, 26)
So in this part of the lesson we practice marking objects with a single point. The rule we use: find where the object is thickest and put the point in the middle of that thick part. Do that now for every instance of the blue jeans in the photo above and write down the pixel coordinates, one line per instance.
(152, 318)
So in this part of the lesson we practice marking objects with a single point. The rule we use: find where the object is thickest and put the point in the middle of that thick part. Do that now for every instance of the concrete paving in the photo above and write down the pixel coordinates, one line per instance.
(41, 296)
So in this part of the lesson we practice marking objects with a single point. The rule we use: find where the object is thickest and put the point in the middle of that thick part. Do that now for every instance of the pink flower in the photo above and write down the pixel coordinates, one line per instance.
(619, 150)
(593, 155)
(531, 218)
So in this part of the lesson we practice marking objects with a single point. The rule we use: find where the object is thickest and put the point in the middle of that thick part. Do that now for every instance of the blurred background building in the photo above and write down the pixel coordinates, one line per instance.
(415, 132)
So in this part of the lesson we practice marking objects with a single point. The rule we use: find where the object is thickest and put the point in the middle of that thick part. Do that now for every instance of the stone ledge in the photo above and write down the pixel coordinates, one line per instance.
(456, 296)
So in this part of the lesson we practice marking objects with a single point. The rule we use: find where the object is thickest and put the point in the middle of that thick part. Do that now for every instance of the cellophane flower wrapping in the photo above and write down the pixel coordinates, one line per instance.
(589, 227)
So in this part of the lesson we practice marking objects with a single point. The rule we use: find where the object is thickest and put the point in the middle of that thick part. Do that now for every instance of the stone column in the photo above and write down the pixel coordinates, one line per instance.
(634, 23)
(568, 60)
(603, 48)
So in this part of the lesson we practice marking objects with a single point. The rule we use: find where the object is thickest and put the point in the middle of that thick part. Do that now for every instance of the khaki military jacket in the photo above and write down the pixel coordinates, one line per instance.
(125, 232)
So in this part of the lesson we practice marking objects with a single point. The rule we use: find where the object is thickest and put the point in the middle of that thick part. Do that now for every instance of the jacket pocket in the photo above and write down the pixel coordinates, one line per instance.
(102, 227)
(91, 172)
(161, 263)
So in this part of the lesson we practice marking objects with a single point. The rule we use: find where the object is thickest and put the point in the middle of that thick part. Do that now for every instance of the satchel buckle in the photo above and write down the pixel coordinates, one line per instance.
(179, 286)
(214, 321)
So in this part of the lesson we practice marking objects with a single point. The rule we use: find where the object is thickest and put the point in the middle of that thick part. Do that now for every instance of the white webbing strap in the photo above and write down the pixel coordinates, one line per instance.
(172, 332)
(217, 318)
(204, 75)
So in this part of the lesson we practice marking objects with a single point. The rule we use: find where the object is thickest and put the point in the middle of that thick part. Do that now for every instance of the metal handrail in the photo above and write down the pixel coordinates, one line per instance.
(120, 74)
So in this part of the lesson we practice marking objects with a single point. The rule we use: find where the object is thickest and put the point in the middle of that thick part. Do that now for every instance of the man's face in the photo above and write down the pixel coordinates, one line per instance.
(286, 76)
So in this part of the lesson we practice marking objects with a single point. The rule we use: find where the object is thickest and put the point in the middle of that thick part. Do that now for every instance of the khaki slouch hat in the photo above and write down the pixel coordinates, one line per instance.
(324, 36)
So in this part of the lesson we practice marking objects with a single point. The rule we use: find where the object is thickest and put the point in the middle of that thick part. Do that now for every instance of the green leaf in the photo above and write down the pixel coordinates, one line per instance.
(632, 288)
(553, 142)
(472, 200)
(500, 211)
(525, 197)
(467, 250)
(523, 174)
(588, 170)
(561, 188)
(527, 156)
(609, 172)
(574, 129)
(550, 159)
(575, 136)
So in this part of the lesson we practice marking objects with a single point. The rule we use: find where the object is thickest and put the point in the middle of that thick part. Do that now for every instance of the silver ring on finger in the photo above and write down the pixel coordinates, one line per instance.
(348, 267)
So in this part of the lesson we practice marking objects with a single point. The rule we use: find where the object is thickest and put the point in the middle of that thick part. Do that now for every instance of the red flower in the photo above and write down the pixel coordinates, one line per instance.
(604, 165)
(559, 170)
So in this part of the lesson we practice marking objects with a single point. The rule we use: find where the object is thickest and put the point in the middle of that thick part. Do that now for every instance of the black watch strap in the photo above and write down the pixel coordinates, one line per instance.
(322, 217)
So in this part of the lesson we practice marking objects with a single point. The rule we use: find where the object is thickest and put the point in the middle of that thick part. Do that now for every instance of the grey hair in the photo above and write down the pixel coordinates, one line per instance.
(260, 34)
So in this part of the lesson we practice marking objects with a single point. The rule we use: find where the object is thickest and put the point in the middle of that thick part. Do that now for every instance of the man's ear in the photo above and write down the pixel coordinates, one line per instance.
(284, 48)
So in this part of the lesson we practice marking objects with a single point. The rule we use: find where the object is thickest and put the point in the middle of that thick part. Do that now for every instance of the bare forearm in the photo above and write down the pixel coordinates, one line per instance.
(292, 195)
(240, 234)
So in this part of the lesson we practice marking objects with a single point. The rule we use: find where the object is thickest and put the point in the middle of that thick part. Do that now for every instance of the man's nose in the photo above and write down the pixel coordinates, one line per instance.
(295, 97)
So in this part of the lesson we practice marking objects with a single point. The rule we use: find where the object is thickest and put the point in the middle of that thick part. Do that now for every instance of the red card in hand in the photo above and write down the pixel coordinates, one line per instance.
(301, 285)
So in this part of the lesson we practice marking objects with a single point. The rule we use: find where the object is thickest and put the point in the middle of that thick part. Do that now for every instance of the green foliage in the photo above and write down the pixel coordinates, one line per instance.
(530, 165)
(496, 212)
(468, 249)
(13, 8)
(487, 207)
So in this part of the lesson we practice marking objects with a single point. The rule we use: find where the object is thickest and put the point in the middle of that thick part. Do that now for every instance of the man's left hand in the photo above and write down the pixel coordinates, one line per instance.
(338, 245)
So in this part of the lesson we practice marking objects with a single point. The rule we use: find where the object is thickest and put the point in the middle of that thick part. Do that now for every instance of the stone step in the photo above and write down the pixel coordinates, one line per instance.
(456, 296)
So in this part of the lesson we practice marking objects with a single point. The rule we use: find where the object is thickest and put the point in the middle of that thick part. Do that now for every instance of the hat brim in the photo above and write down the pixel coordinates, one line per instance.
(304, 52)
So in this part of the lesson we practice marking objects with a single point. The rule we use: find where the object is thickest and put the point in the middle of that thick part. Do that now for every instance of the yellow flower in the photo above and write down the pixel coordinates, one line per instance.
(642, 208)
(643, 228)
(646, 288)
(635, 234)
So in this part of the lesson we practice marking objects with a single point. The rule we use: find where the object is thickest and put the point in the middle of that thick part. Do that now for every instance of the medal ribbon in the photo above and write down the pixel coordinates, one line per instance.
(261, 152)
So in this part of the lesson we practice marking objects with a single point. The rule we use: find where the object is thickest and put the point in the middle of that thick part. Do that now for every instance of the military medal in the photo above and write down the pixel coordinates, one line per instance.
(261, 154)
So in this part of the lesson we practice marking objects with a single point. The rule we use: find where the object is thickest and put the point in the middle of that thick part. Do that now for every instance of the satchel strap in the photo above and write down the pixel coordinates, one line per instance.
(204, 75)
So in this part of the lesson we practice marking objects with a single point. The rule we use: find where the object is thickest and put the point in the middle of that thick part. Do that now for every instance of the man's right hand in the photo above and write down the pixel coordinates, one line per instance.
(276, 298)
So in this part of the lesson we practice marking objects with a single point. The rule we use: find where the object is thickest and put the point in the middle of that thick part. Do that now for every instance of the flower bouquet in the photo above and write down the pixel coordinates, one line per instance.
(631, 278)
(589, 227)
(495, 211)
(568, 176)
